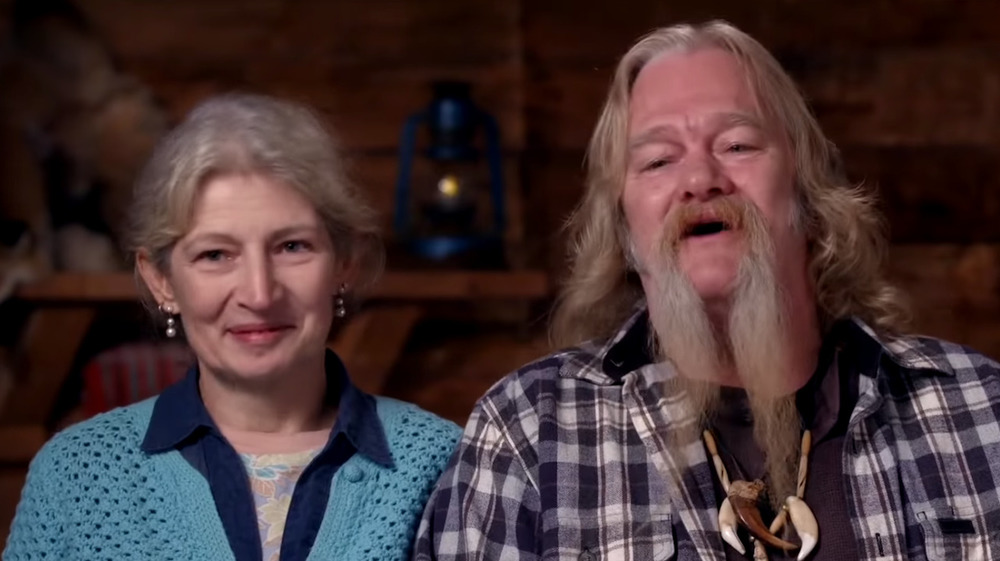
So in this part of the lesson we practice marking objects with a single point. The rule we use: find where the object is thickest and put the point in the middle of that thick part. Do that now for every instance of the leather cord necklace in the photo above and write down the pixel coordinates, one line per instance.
(741, 505)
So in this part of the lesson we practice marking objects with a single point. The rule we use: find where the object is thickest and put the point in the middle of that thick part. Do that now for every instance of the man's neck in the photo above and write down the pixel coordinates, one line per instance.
(801, 349)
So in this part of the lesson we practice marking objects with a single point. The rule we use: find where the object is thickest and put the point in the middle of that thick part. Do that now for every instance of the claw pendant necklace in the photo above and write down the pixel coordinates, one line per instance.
(740, 505)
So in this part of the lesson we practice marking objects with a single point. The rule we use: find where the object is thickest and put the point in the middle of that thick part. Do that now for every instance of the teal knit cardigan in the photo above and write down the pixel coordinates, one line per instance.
(92, 494)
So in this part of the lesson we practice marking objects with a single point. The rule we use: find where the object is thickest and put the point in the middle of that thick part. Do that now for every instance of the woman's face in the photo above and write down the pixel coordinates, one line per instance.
(253, 280)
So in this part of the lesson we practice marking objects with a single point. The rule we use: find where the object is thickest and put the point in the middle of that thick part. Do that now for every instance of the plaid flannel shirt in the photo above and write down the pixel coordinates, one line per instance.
(566, 459)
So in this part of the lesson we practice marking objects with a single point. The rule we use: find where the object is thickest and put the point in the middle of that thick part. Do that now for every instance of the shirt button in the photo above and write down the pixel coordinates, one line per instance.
(587, 555)
(353, 473)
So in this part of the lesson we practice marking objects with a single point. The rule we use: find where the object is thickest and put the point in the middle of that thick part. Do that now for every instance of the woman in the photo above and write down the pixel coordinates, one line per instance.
(248, 238)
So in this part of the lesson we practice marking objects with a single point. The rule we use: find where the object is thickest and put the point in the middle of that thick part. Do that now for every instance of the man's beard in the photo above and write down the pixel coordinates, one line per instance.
(753, 343)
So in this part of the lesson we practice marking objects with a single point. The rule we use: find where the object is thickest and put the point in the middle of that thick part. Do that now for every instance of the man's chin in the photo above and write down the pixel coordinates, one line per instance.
(714, 287)
(711, 279)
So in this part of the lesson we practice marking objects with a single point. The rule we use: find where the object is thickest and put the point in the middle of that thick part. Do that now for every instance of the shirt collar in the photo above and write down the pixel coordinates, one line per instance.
(179, 415)
(628, 349)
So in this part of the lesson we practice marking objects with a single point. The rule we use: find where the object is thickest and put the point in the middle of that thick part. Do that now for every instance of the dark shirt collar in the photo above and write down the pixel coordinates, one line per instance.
(630, 350)
(179, 415)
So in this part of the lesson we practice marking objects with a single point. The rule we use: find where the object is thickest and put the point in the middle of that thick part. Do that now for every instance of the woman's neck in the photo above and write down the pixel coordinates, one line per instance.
(287, 403)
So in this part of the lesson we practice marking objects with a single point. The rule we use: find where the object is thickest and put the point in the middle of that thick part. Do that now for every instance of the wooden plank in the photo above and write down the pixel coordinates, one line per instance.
(8, 372)
(563, 102)
(367, 110)
(933, 194)
(898, 95)
(371, 343)
(82, 287)
(553, 28)
(554, 183)
(348, 31)
(367, 65)
(870, 25)
(860, 97)
(11, 482)
(50, 341)
(420, 285)
(394, 285)
(21, 443)
(954, 291)
(351, 334)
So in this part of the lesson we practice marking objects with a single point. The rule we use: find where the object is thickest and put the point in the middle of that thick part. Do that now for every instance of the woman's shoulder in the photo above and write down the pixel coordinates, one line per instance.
(106, 438)
(419, 430)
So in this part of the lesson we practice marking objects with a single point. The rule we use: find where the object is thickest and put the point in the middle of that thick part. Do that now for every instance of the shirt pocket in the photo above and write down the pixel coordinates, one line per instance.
(606, 538)
(954, 536)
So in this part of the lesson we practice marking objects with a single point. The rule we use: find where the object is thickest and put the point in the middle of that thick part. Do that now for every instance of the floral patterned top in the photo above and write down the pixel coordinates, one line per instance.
(274, 463)
(272, 479)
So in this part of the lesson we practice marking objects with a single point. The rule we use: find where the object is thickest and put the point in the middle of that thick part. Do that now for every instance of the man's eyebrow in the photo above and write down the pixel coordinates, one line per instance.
(736, 119)
(653, 134)
(718, 121)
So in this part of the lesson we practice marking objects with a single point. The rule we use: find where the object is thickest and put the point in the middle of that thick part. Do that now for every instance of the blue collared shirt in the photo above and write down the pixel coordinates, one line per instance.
(181, 422)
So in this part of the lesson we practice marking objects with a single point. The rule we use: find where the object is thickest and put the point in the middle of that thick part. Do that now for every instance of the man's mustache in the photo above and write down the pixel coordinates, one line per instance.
(730, 213)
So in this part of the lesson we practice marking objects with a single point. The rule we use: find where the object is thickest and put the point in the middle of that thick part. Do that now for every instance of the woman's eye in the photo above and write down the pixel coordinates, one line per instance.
(211, 255)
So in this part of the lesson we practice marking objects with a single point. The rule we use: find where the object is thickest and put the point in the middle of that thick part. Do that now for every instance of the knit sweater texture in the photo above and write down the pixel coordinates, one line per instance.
(92, 494)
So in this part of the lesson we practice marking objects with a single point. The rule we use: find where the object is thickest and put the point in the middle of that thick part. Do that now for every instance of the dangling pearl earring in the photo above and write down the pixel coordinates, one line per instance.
(339, 307)
(171, 330)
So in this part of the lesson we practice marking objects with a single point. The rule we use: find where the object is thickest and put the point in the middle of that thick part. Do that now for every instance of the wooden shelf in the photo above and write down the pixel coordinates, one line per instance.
(393, 285)
(370, 342)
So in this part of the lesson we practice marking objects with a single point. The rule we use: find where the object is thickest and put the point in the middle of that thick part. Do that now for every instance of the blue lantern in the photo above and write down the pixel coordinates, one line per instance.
(441, 196)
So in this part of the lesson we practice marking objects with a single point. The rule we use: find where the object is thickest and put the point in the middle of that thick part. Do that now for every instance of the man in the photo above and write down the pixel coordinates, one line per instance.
(732, 323)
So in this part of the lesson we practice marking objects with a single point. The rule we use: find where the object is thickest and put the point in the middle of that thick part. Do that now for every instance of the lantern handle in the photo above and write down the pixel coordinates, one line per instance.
(406, 147)
(496, 170)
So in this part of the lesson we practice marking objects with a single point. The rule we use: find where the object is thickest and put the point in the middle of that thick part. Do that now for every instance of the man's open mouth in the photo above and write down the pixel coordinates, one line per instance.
(706, 228)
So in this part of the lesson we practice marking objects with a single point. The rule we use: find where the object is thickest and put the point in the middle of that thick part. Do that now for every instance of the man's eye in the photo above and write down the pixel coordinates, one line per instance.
(656, 164)
(295, 246)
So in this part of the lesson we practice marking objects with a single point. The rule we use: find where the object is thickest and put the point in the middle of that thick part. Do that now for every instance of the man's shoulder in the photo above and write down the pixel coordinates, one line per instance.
(581, 362)
(558, 379)
(917, 352)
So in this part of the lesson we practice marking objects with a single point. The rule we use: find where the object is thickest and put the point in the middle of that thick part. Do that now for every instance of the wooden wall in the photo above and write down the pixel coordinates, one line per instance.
(910, 90)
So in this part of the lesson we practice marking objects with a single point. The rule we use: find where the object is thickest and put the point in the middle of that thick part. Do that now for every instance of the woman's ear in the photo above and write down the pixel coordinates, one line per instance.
(347, 273)
(156, 281)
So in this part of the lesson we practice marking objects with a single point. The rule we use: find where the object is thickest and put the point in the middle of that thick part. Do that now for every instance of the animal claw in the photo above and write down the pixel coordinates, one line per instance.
(805, 524)
(743, 497)
(727, 524)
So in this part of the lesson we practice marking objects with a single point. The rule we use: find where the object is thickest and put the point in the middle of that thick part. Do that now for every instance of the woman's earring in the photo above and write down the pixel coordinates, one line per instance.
(339, 306)
(171, 330)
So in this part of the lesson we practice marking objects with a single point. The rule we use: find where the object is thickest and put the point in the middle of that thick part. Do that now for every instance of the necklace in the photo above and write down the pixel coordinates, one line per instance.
(741, 504)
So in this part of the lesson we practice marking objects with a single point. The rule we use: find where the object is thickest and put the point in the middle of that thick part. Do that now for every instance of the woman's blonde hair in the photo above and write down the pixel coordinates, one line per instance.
(847, 243)
(251, 134)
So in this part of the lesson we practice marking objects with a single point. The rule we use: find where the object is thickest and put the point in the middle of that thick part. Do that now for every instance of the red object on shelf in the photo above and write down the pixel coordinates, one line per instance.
(130, 373)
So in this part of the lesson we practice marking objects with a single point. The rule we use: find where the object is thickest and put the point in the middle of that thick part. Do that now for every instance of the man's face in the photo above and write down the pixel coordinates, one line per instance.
(696, 136)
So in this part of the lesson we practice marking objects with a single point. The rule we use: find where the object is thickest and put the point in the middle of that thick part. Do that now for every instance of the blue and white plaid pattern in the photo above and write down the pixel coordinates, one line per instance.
(560, 461)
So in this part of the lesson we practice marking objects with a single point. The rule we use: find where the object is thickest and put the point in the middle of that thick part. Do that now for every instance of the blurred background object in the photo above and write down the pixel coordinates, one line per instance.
(450, 195)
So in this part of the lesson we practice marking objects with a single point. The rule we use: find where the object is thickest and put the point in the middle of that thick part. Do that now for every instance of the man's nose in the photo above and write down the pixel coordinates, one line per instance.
(702, 179)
